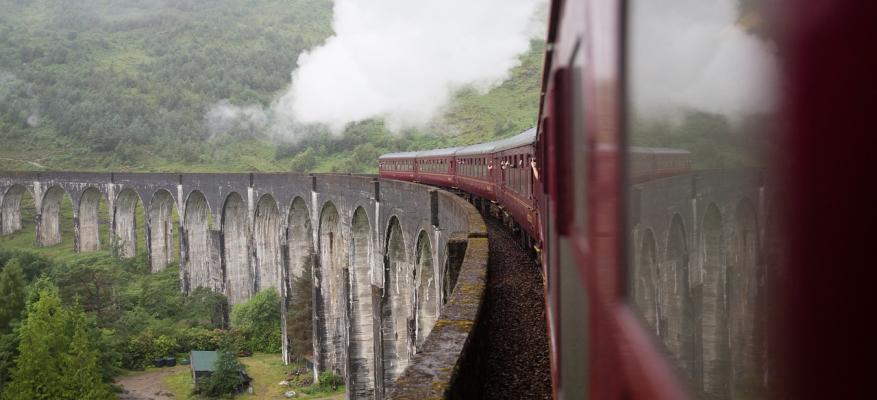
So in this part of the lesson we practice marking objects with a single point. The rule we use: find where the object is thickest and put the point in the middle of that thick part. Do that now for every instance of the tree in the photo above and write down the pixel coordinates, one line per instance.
(207, 308)
(226, 378)
(299, 323)
(42, 340)
(81, 377)
(12, 294)
(56, 360)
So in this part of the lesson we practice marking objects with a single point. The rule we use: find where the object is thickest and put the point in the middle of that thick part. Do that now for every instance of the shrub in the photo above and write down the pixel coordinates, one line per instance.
(258, 320)
(330, 381)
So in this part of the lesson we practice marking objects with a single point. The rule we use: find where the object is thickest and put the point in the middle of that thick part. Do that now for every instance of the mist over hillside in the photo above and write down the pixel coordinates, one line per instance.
(191, 85)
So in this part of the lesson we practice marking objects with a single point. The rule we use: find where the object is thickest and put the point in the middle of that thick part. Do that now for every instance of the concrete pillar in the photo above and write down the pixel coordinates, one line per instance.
(49, 220)
(181, 206)
(10, 209)
(77, 240)
(361, 344)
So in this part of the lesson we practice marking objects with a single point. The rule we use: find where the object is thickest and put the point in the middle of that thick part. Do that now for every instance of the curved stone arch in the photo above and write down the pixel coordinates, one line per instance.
(198, 252)
(125, 221)
(396, 303)
(746, 302)
(425, 292)
(239, 282)
(89, 219)
(332, 281)
(301, 240)
(11, 208)
(645, 290)
(268, 236)
(49, 224)
(301, 259)
(675, 314)
(713, 316)
(160, 217)
(361, 354)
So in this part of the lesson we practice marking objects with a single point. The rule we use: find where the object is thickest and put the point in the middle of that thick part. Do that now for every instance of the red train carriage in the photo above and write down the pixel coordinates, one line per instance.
(475, 170)
(603, 63)
(515, 179)
(401, 166)
(437, 167)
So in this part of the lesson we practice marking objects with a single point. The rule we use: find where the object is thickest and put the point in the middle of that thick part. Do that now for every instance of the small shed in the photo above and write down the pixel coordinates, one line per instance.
(203, 363)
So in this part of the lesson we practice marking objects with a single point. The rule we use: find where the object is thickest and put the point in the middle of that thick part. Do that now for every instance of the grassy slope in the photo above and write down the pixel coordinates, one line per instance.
(135, 54)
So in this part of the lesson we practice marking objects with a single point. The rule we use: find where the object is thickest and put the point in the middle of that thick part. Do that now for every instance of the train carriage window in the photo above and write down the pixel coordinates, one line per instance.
(700, 114)
(517, 175)
(580, 138)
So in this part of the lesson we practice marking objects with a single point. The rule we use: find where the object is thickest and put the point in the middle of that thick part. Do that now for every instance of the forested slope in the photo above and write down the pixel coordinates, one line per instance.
(127, 85)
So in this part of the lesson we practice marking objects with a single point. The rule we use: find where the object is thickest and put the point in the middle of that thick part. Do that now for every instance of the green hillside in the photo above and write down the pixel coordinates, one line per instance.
(125, 85)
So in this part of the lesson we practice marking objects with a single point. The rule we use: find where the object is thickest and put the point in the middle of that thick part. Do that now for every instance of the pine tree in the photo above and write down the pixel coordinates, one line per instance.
(299, 323)
(42, 341)
(81, 377)
(12, 294)
(57, 359)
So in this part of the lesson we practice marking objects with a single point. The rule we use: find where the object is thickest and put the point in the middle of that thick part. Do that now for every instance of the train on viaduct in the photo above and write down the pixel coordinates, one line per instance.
(398, 268)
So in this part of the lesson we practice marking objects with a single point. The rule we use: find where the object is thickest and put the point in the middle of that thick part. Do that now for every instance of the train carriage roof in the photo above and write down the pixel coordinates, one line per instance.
(402, 154)
(522, 139)
(449, 151)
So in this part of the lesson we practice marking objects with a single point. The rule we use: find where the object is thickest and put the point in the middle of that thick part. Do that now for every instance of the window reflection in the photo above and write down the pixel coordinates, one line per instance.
(700, 101)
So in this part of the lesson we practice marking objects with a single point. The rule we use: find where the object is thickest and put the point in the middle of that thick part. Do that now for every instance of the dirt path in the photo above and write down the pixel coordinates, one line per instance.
(147, 385)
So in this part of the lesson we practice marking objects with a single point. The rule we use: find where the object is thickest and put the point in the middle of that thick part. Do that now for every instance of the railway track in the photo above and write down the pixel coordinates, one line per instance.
(516, 349)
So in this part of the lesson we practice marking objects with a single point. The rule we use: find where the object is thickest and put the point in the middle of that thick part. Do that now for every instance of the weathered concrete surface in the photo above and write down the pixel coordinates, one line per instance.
(377, 250)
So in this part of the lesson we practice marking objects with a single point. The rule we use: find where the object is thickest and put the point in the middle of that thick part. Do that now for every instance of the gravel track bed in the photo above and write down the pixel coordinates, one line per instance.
(516, 354)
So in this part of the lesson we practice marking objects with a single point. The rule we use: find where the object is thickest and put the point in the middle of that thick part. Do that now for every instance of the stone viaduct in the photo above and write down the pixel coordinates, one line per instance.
(698, 265)
(399, 268)
(385, 256)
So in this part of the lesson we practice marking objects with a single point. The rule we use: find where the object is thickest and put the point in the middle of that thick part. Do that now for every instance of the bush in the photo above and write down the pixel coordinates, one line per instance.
(140, 349)
(258, 320)
(330, 381)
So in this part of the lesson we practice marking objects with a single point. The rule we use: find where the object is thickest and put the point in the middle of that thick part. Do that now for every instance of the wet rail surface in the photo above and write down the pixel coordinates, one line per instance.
(516, 364)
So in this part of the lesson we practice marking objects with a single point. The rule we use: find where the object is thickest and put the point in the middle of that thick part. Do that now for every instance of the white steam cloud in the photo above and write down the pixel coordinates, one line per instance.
(401, 60)
(692, 54)
(225, 117)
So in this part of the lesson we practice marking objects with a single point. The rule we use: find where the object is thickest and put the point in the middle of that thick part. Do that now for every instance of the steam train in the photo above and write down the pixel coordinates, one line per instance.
(504, 173)
(566, 184)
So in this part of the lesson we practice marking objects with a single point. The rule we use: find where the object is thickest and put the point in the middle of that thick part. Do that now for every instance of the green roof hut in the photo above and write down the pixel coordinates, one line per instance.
(203, 363)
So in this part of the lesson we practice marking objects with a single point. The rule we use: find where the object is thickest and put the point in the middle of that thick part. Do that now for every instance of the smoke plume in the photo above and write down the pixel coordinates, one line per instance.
(401, 60)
